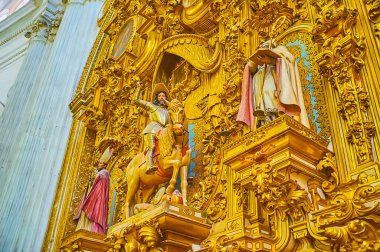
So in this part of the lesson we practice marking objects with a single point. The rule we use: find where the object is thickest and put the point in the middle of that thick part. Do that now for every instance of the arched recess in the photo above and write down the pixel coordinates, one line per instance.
(298, 40)
(189, 65)
(194, 49)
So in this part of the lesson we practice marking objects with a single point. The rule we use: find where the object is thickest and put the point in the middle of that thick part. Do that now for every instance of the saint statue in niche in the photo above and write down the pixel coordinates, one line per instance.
(92, 213)
(271, 87)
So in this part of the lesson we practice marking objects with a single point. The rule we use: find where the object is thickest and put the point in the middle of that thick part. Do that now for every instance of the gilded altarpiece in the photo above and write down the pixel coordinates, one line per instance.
(281, 187)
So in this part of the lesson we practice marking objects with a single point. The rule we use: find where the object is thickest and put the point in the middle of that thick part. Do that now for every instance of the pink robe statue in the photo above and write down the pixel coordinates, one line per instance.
(282, 90)
(93, 210)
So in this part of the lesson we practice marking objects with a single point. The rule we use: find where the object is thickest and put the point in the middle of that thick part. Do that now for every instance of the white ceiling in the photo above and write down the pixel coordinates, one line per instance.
(7, 7)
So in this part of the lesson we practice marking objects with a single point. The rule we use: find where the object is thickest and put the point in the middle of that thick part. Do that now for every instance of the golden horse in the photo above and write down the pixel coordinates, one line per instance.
(173, 157)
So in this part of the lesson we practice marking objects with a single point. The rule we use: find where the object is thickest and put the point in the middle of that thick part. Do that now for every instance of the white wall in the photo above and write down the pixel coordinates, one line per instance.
(11, 58)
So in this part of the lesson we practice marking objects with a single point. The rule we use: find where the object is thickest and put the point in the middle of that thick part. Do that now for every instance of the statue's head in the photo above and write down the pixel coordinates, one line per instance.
(160, 98)
(177, 115)
(160, 94)
(104, 159)
(101, 165)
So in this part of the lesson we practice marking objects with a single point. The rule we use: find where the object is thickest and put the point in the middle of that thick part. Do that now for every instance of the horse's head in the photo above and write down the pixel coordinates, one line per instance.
(177, 116)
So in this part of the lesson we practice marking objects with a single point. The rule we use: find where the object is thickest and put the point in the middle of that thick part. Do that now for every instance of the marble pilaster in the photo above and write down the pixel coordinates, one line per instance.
(41, 141)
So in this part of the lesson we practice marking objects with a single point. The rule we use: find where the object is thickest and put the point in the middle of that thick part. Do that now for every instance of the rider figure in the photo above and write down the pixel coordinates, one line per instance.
(159, 118)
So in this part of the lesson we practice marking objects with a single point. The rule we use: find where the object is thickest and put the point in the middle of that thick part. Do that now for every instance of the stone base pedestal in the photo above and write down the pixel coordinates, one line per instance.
(276, 182)
(168, 226)
(83, 240)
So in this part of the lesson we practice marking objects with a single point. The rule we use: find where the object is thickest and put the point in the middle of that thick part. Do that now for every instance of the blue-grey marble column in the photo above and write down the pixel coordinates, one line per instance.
(38, 147)
(22, 90)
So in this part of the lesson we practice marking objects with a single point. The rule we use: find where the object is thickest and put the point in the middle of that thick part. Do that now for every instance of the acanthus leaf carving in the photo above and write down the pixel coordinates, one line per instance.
(278, 195)
(267, 12)
(39, 30)
(352, 219)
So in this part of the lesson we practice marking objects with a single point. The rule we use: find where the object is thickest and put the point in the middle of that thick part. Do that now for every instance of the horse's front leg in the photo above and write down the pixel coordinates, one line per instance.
(183, 174)
(173, 179)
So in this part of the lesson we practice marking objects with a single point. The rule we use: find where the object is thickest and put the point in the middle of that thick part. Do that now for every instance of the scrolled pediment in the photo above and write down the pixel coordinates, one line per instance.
(195, 49)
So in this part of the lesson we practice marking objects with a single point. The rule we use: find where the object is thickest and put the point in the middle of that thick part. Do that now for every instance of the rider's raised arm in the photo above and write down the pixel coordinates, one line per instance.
(141, 103)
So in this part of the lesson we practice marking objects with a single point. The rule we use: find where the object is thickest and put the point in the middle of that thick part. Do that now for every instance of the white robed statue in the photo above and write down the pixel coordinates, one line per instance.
(271, 87)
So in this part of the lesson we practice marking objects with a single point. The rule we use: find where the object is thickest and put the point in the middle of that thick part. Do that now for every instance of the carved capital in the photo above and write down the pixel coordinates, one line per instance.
(46, 26)
(39, 31)
(55, 23)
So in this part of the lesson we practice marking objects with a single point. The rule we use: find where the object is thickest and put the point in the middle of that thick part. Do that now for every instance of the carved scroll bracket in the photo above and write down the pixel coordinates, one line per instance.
(350, 221)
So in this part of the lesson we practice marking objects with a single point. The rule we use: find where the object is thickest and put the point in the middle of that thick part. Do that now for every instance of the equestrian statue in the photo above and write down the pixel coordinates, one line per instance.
(166, 151)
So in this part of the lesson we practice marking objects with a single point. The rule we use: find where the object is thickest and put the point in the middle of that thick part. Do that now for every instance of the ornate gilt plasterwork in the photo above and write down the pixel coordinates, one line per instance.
(278, 195)
(219, 244)
(197, 17)
(267, 12)
(340, 62)
(275, 206)
(374, 15)
(350, 223)
(191, 81)
(326, 215)
(145, 236)
(83, 180)
(277, 188)
(299, 42)
(121, 12)
(155, 233)
(327, 165)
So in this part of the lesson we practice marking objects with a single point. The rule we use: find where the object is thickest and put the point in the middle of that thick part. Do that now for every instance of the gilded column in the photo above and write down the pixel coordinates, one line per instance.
(341, 61)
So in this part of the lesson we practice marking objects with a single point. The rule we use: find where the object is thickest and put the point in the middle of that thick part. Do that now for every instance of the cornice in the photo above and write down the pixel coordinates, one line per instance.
(17, 15)
(13, 57)
(16, 23)
(22, 20)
